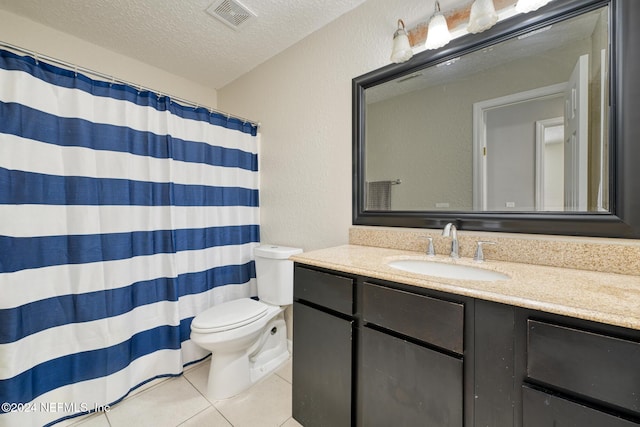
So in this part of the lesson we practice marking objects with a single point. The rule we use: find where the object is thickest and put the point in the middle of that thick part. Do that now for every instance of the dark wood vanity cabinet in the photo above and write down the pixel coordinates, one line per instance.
(432, 321)
(322, 368)
(372, 355)
(403, 383)
(375, 353)
(576, 376)
(410, 369)
(323, 337)
(543, 409)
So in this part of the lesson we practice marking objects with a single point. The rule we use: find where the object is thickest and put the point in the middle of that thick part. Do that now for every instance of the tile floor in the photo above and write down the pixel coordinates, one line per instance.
(180, 401)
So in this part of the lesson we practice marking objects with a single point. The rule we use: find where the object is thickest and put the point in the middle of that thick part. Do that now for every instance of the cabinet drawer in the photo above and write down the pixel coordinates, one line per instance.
(434, 321)
(592, 365)
(543, 410)
(327, 290)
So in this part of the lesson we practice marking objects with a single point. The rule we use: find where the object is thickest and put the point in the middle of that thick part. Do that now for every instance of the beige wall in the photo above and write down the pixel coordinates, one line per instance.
(44, 40)
(302, 98)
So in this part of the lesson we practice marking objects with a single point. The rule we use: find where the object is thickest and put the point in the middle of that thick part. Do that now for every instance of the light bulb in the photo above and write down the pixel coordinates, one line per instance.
(482, 16)
(438, 34)
(402, 51)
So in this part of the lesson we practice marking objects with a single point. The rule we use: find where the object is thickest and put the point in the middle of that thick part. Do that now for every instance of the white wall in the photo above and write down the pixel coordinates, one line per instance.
(30, 35)
(302, 98)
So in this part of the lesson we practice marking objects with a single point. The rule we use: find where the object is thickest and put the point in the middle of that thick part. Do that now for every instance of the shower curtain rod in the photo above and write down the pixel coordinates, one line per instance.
(112, 79)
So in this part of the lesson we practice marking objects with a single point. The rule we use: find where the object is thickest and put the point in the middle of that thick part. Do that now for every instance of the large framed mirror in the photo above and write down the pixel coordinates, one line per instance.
(532, 127)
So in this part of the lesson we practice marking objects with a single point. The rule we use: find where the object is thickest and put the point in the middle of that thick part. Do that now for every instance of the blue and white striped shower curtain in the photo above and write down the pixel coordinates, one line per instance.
(122, 216)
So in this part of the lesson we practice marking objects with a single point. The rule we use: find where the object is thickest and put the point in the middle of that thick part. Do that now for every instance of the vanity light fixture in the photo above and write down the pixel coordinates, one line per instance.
(438, 33)
(524, 6)
(402, 51)
(482, 16)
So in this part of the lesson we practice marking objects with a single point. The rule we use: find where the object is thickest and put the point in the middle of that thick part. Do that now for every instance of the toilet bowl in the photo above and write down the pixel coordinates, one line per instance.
(248, 338)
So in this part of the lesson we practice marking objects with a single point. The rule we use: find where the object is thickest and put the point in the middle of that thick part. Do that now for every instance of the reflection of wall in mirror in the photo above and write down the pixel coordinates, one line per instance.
(553, 171)
(425, 136)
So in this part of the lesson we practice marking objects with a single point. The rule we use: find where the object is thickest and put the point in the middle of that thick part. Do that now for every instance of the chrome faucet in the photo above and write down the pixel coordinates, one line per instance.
(450, 230)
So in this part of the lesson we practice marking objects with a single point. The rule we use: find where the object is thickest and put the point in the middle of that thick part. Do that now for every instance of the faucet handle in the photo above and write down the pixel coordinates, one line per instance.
(430, 251)
(479, 255)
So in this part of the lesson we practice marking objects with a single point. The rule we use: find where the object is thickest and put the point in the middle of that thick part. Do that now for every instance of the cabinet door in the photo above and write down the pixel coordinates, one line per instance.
(545, 410)
(404, 384)
(322, 350)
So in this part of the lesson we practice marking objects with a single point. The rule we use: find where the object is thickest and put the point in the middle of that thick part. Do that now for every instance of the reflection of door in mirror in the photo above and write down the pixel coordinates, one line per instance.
(511, 167)
(576, 136)
(505, 139)
(550, 164)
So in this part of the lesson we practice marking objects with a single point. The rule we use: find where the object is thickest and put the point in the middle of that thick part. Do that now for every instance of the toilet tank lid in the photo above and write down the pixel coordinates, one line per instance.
(275, 251)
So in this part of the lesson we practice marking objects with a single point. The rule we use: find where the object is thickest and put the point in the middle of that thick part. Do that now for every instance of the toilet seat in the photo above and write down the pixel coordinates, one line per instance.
(229, 315)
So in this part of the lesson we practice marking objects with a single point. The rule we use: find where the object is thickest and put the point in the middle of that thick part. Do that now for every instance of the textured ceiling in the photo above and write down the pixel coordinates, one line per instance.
(180, 37)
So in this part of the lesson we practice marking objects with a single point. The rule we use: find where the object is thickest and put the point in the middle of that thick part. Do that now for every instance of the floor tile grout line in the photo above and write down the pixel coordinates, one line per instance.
(198, 413)
(211, 405)
(221, 414)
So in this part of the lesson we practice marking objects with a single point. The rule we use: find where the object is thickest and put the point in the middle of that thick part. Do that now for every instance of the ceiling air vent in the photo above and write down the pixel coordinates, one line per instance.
(231, 12)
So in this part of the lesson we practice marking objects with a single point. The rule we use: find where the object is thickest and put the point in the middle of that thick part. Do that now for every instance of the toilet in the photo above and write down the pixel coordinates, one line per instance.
(248, 338)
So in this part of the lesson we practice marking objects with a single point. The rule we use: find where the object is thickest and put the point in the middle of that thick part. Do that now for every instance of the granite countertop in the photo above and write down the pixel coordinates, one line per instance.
(601, 297)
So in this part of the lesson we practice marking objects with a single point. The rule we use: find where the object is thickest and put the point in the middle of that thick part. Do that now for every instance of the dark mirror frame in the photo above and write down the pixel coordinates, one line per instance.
(623, 219)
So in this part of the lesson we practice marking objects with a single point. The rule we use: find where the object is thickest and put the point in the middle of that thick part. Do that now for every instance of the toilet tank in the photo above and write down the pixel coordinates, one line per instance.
(274, 273)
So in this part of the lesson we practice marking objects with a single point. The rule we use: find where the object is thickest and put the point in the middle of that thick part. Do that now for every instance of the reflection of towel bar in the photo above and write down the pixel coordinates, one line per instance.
(378, 197)
(397, 181)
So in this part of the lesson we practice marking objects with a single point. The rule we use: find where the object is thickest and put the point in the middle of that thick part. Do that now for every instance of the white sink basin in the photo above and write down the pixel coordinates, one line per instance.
(449, 271)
